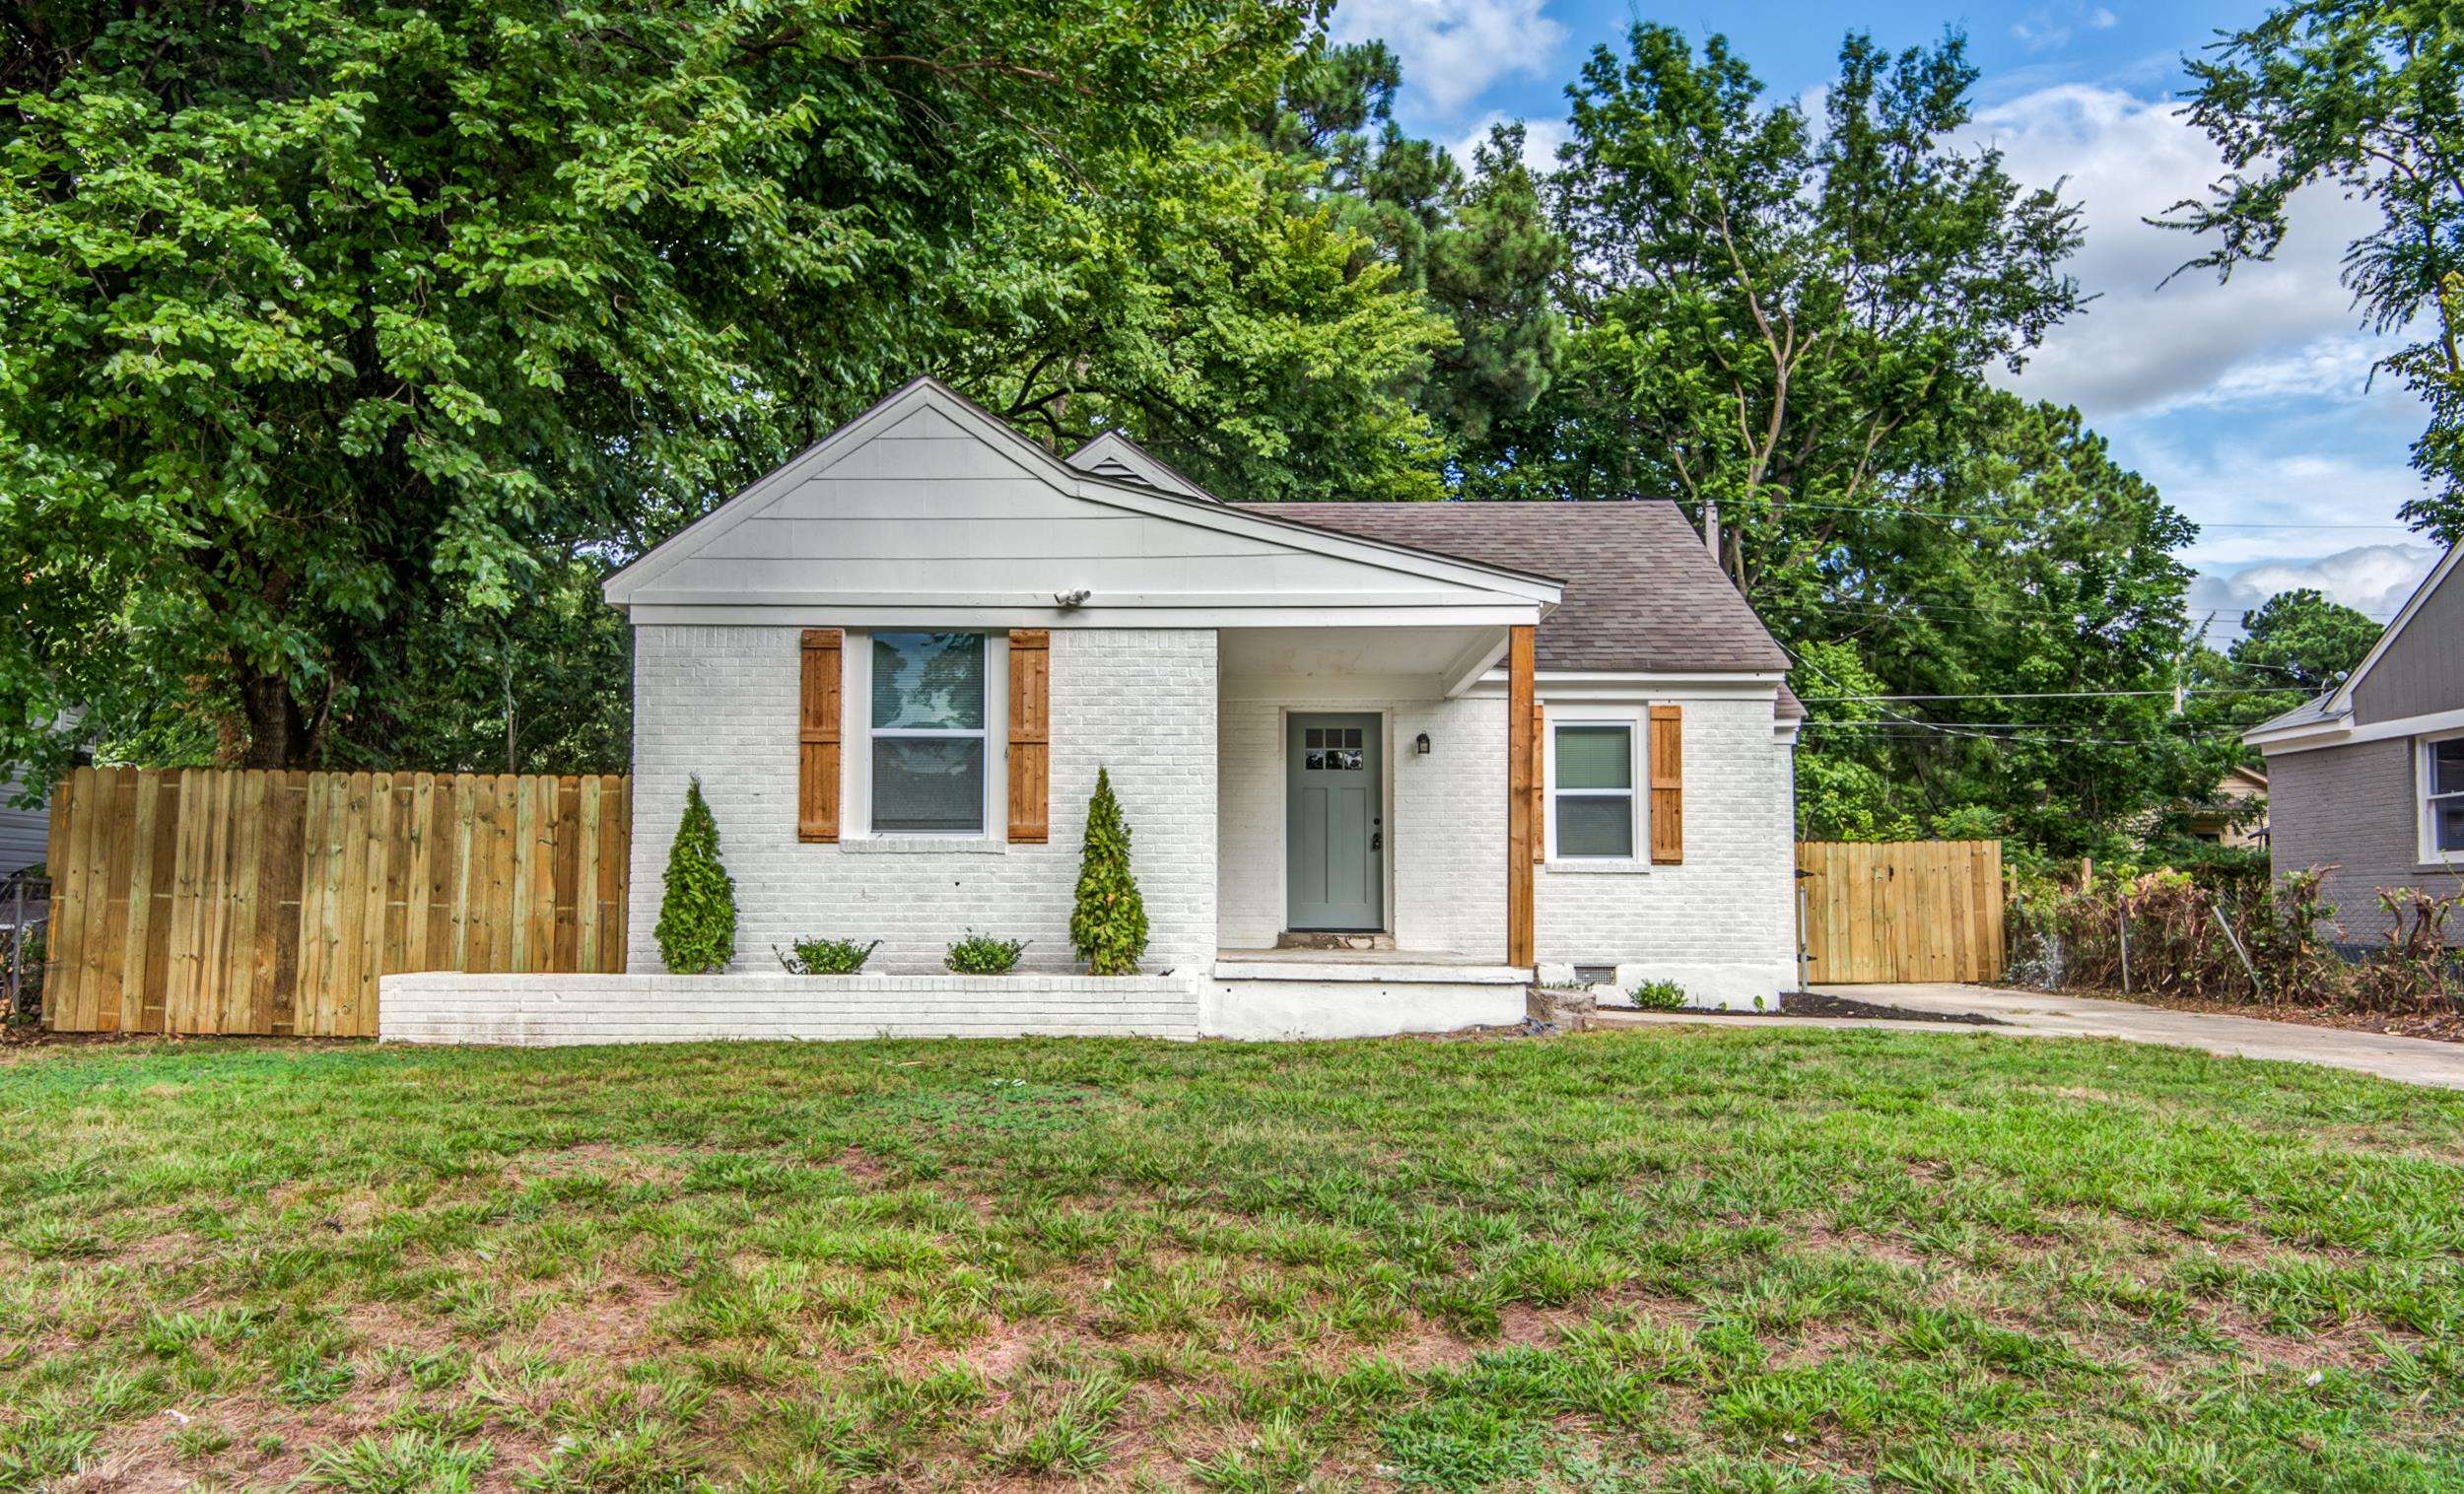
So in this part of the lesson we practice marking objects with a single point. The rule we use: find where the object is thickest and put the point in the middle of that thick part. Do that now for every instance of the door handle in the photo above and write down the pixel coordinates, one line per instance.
(1377, 840)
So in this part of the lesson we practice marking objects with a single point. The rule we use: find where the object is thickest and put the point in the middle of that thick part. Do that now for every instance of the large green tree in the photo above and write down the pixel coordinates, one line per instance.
(322, 323)
(2366, 97)
(1217, 315)
(2302, 643)
(2028, 601)
(1477, 246)
(1774, 321)
(1786, 323)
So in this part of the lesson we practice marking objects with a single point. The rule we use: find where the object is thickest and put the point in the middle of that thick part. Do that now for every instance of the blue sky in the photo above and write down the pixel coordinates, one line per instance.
(2248, 405)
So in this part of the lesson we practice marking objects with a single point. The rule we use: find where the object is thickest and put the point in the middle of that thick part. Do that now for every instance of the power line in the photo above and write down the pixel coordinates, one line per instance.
(1893, 609)
(2059, 695)
(1913, 730)
(2222, 523)
(2223, 729)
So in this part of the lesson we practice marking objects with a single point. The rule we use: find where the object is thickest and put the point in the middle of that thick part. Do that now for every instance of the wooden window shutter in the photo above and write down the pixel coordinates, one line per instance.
(817, 738)
(1540, 783)
(1667, 783)
(1030, 735)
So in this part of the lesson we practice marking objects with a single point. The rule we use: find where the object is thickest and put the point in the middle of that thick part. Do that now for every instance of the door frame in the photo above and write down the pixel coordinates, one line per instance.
(1283, 715)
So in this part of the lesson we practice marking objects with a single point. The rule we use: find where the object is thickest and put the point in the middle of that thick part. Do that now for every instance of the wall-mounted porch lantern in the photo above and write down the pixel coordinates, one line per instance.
(1420, 745)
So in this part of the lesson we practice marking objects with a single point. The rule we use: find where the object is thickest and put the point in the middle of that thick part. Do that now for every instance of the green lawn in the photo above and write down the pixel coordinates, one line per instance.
(1668, 1259)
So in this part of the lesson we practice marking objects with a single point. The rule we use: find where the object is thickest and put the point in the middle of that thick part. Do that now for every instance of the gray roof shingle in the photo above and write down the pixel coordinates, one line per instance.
(1641, 593)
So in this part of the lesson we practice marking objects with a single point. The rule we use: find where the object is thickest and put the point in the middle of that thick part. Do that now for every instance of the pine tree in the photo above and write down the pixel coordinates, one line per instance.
(697, 918)
(1108, 928)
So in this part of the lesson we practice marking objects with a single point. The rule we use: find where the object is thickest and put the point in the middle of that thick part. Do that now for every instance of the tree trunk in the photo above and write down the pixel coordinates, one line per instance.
(278, 735)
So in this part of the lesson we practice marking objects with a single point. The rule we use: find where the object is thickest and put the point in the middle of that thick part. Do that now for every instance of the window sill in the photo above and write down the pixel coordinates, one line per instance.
(925, 846)
(1600, 866)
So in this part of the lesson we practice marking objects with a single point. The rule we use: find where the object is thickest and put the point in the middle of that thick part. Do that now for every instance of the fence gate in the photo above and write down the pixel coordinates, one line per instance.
(1900, 911)
(214, 900)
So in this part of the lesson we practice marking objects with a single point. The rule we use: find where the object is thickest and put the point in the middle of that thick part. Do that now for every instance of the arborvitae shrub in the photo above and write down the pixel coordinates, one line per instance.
(697, 917)
(1108, 927)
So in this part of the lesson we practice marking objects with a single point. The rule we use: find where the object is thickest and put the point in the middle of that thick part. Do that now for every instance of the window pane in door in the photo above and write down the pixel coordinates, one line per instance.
(928, 681)
(2446, 766)
(1595, 757)
(928, 784)
(1599, 826)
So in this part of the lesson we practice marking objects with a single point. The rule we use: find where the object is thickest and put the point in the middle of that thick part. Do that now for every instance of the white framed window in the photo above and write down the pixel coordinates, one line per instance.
(2440, 774)
(1594, 810)
(929, 756)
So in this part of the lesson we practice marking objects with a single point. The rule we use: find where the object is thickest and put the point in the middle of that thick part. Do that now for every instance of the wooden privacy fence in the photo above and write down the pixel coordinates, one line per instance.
(213, 900)
(1901, 910)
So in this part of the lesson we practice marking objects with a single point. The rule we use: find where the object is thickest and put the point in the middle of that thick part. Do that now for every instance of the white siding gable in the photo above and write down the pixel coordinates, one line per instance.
(1113, 454)
(927, 505)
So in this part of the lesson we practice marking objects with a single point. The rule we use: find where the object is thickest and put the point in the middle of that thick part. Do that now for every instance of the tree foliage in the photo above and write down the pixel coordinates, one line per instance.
(2367, 97)
(2031, 579)
(1242, 333)
(323, 321)
(1790, 320)
(2302, 643)
(1774, 319)
(347, 347)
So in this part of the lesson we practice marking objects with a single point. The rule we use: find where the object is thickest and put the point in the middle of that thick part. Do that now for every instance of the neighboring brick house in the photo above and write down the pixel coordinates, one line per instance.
(1381, 762)
(2369, 780)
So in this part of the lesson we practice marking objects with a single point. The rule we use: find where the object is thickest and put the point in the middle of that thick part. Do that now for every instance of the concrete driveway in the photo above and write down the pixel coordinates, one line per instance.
(2033, 1013)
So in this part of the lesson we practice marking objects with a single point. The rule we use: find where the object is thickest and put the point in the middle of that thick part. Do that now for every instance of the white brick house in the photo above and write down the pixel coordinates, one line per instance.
(1381, 762)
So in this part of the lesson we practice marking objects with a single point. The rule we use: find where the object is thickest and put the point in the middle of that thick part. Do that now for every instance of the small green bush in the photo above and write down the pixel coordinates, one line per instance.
(1108, 927)
(826, 957)
(696, 915)
(981, 954)
(1660, 995)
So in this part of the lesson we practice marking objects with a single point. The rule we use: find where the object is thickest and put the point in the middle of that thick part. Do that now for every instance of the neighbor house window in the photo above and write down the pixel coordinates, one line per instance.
(1592, 791)
(928, 747)
(2442, 795)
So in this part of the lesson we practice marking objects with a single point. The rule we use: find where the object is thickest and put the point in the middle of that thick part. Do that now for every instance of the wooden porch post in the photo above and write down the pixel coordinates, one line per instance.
(1521, 769)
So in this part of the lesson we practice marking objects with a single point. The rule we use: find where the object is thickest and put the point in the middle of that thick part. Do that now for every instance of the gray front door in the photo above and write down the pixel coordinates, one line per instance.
(1335, 822)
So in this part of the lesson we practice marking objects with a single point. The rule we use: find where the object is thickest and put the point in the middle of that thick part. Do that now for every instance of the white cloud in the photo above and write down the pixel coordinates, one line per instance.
(2135, 347)
(2048, 28)
(2333, 369)
(1451, 51)
(1540, 139)
(2039, 33)
(2256, 473)
(2370, 579)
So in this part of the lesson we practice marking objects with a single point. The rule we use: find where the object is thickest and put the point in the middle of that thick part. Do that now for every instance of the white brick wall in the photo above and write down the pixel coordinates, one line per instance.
(548, 1011)
(720, 702)
(1723, 922)
(1446, 840)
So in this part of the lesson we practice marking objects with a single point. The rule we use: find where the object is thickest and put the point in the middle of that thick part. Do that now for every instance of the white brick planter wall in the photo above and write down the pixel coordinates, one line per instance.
(550, 1011)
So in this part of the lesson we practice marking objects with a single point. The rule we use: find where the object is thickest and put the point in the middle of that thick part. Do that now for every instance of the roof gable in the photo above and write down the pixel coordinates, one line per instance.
(926, 502)
(2416, 666)
(2432, 676)
(1115, 457)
